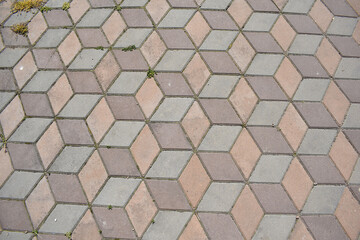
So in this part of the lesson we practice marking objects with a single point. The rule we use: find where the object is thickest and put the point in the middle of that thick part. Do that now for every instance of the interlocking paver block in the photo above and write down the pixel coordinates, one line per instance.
(133, 36)
(74, 131)
(294, 6)
(66, 217)
(42, 81)
(219, 20)
(169, 164)
(136, 17)
(127, 83)
(94, 17)
(220, 226)
(325, 227)
(311, 89)
(323, 199)
(348, 68)
(71, 159)
(174, 60)
(260, 22)
(305, 44)
(172, 109)
(6, 235)
(215, 4)
(219, 86)
(275, 226)
(24, 157)
(220, 197)
(10, 56)
(79, 106)
(270, 168)
(167, 225)
(220, 138)
(170, 135)
(19, 185)
(317, 141)
(52, 38)
(342, 26)
(117, 191)
(87, 59)
(218, 40)
(122, 133)
(266, 88)
(66, 188)
(30, 130)
(176, 18)
(267, 113)
(265, 64)
(14, 216)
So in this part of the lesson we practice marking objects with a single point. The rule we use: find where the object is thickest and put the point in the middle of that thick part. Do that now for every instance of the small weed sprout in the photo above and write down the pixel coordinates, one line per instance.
(45, 9)
(109, 207)
(3, 140)
(129, 48)
(68, 235)
(35, 232)
(99, 48)
(117, 8)
(20, 28)
(151, 73)
(65, 6)
(26, 5)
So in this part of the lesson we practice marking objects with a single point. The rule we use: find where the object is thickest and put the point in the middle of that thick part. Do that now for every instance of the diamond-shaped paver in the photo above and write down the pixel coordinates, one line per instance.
(325, 227)
(66, 217)
(71, 159)
(133, 36)
(52, 38)
(19, 185)
(127, 83)
(79, 106)
(169, 164)
(167, 225)
(305, 44)
(311, 89)
(174, 60)
(117, 191)
(220, 138)
(172, 109)
(323, 199)
(218, 40)
(260, 22)
(317, 141)
(270, 227)
(87, 59)
(264, 64)
(94, 17)
(30, 130)
(220, 197)
(42, 81)
(219, 86)
(122, 133)
(214, 4)
(176, 18)
(294, 6)
(267, 113)
(270, 168)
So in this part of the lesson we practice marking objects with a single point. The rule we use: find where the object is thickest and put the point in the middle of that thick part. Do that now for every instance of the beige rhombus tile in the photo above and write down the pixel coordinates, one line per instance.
(194, 180)
(107, 70)
(100, 120)
(92, 176)
(69, 48)
(243, 99)
(153, 49)
(245, 152)
(197, 28)
(300, 232)
(347, 213)
(247, 212)
(114, 26)
(149, 96)
(283, 33)
(242, 52)
(240, 11)
(336, 102)
(343, 155)
(321, 15)
(49, 145)
(193, 230)
(145, 149)
(288, 77)
(24, 69)
(141, 209)
(196, 73)
(36, 27)
(157, 9)
(297, 183)
(77, 9)
(60, 93)
(293, 127)
(11, 116)
(5, 163)
(40, 202)
(328, 56)
(195, 123)
(86, 228)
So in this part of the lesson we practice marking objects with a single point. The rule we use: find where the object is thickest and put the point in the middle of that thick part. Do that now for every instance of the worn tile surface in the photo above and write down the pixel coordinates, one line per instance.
(249, 128)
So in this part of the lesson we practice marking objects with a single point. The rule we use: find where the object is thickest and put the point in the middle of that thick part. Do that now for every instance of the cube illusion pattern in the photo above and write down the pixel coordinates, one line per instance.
(249, 130)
